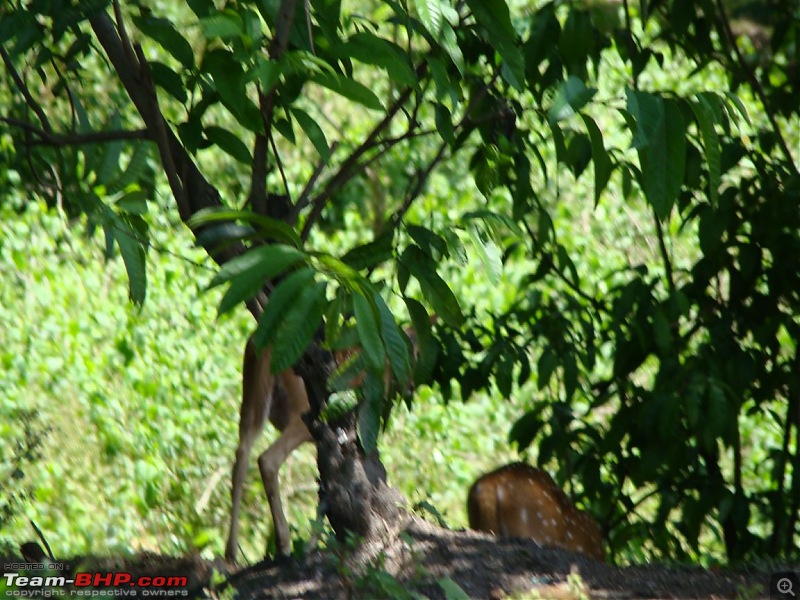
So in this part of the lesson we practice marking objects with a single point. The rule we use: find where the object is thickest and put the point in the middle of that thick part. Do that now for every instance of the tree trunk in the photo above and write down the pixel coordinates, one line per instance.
(353, 492)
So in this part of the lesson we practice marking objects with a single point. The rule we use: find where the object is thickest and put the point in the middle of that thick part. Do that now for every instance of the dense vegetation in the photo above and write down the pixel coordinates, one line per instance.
(599, 201)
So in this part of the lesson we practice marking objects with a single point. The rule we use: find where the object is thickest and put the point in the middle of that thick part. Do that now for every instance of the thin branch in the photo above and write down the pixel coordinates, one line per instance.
(279, 162)
(258, 177)
(23, 88)
(158, 129)
(199, 193)
(756, 85)
(414, 193)
(351, 165)
(302, 201)
(49, 138)
(662, 247)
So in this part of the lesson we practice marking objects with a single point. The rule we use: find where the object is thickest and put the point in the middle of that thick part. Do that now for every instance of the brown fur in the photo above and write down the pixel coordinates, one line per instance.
(522, 501)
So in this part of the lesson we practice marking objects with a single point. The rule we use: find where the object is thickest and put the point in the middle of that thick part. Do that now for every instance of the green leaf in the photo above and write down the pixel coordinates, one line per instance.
(371, 254)
(313, 131)
(267, 72)
(133, 202)
(489, 254)
(395, 342)
(493, 15)
(373, 50)
(369, 331)
(548, 362)
(280, 302)
(432, 243)
(736, 102)
(164, 32)
(168, 80)
(496, 222)
(369, 413)
(660, 140)
(300, 322)
(229, 143)
(269, 228)
(430, 14)
(427, 349)
(226, 24)
(704, 113)
(444, 123)
(350, 89)
(241, 289)
(133, 256)
(572, 95)
(452, 591)
(229, 82)
(433, 287)
(602, 162)
(262, 262)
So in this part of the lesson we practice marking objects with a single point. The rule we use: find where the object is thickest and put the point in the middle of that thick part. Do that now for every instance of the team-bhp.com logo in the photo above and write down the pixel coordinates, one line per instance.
(94, 584)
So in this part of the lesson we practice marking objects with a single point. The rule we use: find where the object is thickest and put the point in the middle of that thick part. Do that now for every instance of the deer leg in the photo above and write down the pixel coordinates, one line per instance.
(269, 463)
(257, 396)
(243, 450)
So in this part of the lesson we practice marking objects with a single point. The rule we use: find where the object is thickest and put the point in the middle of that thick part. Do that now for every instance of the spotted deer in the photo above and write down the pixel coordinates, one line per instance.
(280, 398)
(522, 501)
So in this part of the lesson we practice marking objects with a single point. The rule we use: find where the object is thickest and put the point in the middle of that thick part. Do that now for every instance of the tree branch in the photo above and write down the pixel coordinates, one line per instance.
(351, 165)
(49, 138)
(23, 88)
(194, 192)
(258, 177)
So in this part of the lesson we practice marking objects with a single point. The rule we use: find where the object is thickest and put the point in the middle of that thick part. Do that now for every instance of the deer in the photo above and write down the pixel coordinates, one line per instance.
(523, 501)
(282, 399)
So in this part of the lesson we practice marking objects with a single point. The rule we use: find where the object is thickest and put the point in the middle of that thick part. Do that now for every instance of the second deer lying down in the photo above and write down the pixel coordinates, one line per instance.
(520, 500)
(282, 399)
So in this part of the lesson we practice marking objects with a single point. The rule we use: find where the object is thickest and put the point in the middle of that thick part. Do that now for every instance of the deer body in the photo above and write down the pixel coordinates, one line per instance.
(520, 500)
(280, 398)
(283, 400)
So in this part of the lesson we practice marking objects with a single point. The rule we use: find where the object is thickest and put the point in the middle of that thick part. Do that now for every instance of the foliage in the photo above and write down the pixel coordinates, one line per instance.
(652, 374)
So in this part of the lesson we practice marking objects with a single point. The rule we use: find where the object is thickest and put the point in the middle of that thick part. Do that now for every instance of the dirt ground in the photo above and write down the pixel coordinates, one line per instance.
(426, 560)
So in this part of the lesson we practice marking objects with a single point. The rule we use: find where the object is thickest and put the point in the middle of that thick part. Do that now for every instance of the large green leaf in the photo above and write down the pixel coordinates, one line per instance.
(371, 254)
(704, 113)
(373, 50)
(395, 341)
(350, 89)
(600, 157)
(229, 143)
(269, 228)
(133, 256)
(434, 288)
(280, 303)
(313, 131)
(369, 412)
(660, 140)
(369, 333)
(572, 95)
(493, 15)
(296, 330)
(427, 349)
(262, 263)
(165, 33)
(224, 24)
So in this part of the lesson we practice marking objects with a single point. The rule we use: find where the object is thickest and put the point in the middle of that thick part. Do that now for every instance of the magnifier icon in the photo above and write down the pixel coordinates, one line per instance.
(785, 586)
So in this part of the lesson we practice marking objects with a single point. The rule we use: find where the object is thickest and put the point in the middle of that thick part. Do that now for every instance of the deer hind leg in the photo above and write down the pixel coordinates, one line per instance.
(237, 484)
(257, 394)
(295, 434)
